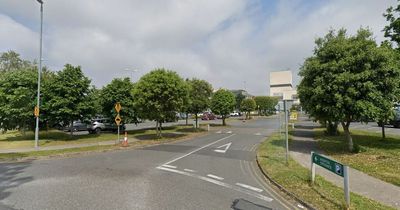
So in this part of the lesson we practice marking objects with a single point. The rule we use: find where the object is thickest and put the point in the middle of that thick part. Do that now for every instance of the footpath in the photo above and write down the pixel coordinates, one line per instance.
(300, 150)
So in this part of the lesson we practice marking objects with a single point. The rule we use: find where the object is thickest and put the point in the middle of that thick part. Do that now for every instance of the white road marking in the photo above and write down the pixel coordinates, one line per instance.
(189, 170)
(169, 166)
(215, 177)
(178, 158)
(218, 132)
(223, 184)
(249, 187)
(223, 150)
(229, 132)
(258, 134)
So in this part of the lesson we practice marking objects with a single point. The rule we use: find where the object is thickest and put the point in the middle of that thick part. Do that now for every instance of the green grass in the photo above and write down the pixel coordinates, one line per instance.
(377, 157)
(146, 137)
(296, 179)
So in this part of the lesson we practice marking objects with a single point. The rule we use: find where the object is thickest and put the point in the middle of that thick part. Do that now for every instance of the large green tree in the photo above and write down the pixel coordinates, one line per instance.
(200, 92)
(340, 83)
(159, 95)
(67, 97)
(247, 106)
(222, 103)
(11, 61)
(17, 99)
(265, 104)
(119, 90)
(392, 30)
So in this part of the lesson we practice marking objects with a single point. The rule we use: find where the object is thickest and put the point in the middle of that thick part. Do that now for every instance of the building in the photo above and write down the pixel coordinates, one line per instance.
(281, 86)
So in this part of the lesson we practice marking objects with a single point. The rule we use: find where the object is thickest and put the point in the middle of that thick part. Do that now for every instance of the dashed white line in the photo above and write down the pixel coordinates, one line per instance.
(215, 177)
(229, 132)
(169, 166)
(217, 182)
(189, 170)
(178, 158)
(249, 187)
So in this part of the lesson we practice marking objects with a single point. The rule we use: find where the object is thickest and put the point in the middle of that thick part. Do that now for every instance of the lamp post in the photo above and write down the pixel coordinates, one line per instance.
(132, 72)
(39, 75)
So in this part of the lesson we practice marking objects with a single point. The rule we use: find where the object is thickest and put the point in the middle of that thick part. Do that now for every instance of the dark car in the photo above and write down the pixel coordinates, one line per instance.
(208, 116)
(77, 126)
(104, 124)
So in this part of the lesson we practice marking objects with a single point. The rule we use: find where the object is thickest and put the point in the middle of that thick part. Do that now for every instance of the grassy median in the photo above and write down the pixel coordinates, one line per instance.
(137, 138)
(376, 157)
(295, 178)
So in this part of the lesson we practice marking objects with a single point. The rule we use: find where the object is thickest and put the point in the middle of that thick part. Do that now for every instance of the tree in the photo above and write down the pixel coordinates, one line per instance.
(247, 106)
(119, 90)
(222, 103)
(265, 104)
(341, 81)
(67, 98)
(11, 61)
(392, 31)
(200, 92)
(17, 99)
(159, 95)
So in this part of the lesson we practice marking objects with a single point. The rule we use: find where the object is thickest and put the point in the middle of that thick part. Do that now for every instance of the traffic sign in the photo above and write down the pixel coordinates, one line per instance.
(293, 116)
(118, 120)
(330, 165)
(117, 107)
(36, 111)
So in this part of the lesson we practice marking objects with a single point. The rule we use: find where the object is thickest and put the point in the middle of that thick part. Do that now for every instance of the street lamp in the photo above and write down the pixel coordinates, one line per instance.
(39, 75)
(132, 71)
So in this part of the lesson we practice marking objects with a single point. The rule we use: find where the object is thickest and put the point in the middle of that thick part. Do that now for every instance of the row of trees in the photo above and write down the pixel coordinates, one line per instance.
(352, 78)
(67, 95)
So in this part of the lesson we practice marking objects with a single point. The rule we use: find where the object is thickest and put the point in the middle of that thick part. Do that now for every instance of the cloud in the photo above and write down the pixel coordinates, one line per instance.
(231, 43)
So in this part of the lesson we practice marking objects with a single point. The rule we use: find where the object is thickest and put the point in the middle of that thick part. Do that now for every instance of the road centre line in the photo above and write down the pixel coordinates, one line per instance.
(189, 170)
(178, 158)
(249, 187)
(215, 177)
(217, 182)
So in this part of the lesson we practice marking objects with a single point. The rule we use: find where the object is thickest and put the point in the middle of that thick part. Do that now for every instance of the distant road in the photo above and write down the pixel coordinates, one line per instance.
(373, 127)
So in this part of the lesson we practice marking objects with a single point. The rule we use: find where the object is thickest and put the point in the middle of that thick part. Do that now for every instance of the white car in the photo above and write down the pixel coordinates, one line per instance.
(234, 114)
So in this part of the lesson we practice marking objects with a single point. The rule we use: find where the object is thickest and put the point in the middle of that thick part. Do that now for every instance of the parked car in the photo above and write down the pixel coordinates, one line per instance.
(208, 116)
(77, 126)
(104, 124)
(235, 114)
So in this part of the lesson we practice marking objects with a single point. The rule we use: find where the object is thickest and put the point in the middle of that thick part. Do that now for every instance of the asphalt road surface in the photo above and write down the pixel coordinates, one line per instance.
(215, 171)
(373, 127)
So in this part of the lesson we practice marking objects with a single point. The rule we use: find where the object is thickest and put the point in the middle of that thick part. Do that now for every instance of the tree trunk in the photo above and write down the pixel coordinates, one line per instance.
(157, 128)
(383, 129)
(160, 130)
(187, 118)
(347, 135)
(196, 121)
(223, 120)
(71, 128)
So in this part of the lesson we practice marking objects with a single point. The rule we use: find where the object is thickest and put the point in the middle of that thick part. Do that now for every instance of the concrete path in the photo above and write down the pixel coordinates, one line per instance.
(360, 183)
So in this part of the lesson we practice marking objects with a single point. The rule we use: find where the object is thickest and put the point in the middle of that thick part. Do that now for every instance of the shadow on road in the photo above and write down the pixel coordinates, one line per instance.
(10, 177)
(242, 204)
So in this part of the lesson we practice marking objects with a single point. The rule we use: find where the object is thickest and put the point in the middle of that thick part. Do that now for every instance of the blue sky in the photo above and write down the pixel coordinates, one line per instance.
(227, 42)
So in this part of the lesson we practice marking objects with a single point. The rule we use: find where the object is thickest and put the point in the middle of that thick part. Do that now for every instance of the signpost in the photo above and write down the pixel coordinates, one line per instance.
(293, 116)
(334, 167)
(118, 118)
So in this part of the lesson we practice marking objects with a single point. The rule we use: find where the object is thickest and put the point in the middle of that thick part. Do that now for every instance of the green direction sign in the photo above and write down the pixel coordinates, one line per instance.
(328, 164)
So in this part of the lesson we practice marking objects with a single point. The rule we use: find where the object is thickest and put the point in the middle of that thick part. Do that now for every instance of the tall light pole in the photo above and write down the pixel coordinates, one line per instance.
(132, 72)
(39, 75)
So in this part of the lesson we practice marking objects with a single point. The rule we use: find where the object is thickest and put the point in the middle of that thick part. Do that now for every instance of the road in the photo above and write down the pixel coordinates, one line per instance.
(215, 171)
(373, 127)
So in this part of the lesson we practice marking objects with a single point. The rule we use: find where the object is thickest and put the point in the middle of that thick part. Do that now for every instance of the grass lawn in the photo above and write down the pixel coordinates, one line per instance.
(15, 139)
(145, 137)
(295, 178)
(377, 157)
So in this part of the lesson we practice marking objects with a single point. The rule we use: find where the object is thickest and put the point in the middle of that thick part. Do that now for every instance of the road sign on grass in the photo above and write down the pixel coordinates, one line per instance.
(330, 165)
(117, 107)
(118, 120)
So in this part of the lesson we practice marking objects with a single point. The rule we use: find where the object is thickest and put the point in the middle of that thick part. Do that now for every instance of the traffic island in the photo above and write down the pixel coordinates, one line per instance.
(294, 179)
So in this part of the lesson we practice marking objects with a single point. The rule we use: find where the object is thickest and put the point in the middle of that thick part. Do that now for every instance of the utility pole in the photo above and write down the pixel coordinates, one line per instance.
(39, 75)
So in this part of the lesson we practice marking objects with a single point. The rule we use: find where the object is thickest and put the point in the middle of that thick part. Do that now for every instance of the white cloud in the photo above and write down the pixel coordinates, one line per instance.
(225, 42)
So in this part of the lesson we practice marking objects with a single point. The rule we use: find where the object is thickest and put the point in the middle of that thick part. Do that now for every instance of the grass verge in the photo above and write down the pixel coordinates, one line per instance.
(295, 178)
(145, 138)
(376, 157)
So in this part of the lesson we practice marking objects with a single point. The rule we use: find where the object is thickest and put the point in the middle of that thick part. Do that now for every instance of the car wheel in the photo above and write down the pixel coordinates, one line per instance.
(97, 131)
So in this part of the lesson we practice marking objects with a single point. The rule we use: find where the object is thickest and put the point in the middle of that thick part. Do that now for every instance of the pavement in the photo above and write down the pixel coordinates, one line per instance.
(214, 171)
(300, 149)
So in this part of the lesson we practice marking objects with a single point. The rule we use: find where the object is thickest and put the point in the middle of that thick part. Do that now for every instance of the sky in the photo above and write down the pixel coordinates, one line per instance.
(233, 44)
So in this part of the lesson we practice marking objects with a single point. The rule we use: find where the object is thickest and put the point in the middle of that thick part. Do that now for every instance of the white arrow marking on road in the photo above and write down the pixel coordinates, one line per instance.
(226, 148)
(169, 166)
(229, 132)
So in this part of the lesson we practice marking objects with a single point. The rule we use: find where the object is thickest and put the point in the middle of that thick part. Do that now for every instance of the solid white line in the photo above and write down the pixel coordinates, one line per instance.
(215, 177)
(189, 170)
(232, 187)
(178, 158)
(249, 187)
(169, 166)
